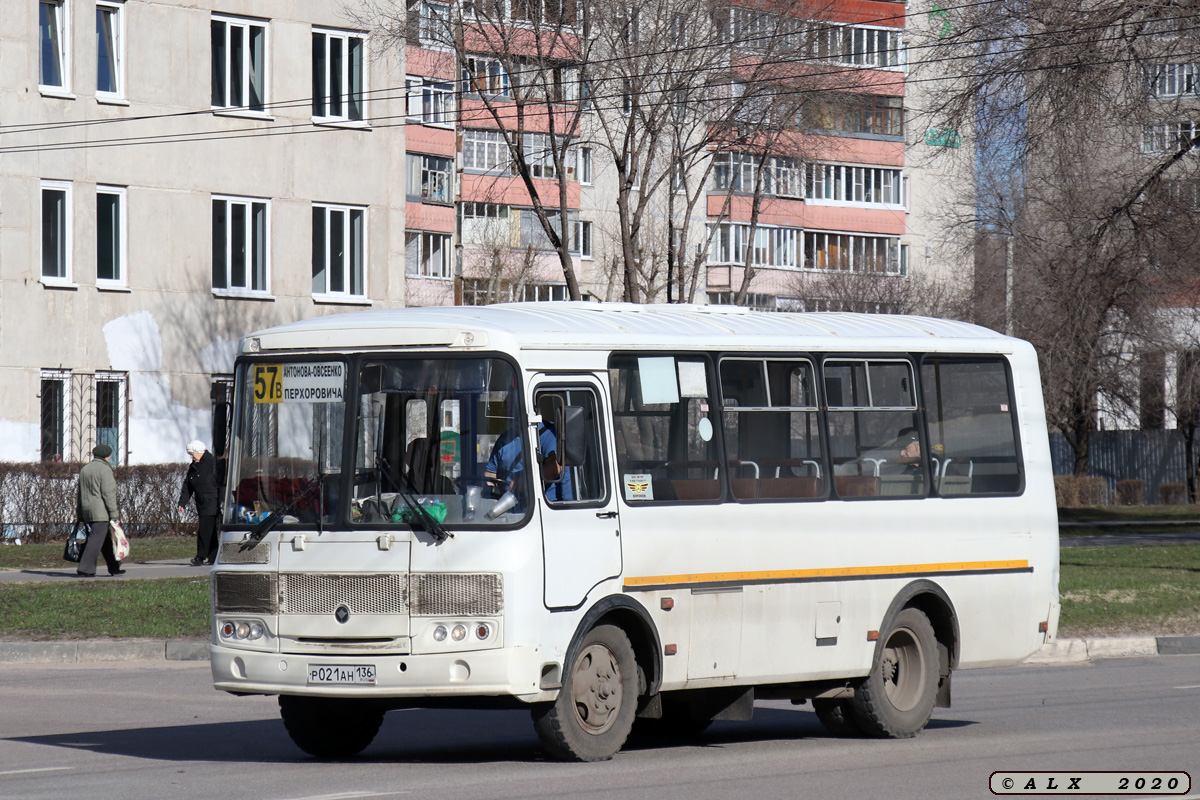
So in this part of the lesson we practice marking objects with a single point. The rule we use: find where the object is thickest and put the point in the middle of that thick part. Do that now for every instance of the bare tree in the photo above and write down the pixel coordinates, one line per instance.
(1089, 103)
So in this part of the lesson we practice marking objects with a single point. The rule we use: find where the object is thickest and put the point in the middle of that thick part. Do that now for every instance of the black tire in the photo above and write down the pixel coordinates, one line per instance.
(330, 728)
(594, 712)
(837, 715)
(896, 699)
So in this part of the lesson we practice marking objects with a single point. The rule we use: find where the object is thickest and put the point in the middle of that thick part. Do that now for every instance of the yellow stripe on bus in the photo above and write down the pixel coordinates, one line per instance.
(829, 572)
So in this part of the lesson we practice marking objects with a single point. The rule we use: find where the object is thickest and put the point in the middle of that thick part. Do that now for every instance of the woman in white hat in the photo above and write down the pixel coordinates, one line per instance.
(201, 482)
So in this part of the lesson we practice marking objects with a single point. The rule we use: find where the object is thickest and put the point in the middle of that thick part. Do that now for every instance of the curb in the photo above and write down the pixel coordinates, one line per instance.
(1071, 651)
(101, 651)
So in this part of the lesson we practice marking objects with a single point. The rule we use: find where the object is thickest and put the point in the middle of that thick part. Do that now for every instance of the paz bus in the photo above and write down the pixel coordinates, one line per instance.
(701, 507)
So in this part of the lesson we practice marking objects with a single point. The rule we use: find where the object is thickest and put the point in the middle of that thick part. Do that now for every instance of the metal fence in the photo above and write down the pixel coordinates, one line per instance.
(1154, 457)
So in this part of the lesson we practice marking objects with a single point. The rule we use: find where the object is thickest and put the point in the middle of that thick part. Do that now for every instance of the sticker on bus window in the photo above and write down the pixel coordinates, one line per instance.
(638, 486)
(692, 380)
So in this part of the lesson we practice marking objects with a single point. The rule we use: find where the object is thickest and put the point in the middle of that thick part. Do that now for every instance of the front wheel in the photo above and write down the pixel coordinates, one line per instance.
(330, 728)
(896, 699)
(594, 711)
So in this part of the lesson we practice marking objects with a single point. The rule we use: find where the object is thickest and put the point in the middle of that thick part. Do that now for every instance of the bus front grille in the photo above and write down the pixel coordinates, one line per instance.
(322, 593)
(438, 594)
(240, 553)
(422, 594)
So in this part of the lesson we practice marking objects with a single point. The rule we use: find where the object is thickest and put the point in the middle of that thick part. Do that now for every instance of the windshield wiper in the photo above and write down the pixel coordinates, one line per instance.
(269, 522)
(419, 512)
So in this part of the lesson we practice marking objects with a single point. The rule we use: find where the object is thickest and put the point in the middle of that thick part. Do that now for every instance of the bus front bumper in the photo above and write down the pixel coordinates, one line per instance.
(511, 671)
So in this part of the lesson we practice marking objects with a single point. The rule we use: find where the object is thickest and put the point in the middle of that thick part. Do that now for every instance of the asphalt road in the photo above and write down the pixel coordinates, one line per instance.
(154, 730)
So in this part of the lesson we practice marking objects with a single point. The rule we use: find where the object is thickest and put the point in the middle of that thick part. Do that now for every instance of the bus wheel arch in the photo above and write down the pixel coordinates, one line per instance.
(611, 666)
(910, 671)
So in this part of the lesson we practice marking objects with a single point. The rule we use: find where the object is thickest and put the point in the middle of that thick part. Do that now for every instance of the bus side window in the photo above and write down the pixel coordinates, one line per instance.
(663, 419)
(772, 434)
(580, 472)
(971, 426)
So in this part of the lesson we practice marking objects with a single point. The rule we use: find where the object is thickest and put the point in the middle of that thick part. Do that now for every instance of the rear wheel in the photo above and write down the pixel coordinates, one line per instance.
(837, 715)
(330, 728)
(896, 699)
(594, 711)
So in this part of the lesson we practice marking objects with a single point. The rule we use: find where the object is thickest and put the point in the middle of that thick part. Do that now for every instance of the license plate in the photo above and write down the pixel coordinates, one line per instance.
(341, 674)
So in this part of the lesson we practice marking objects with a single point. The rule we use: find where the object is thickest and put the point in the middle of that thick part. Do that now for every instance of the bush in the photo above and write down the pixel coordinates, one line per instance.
(1172, 494)
(1131, 492)
(1093, 491)
(1066, 490)
(38, 499)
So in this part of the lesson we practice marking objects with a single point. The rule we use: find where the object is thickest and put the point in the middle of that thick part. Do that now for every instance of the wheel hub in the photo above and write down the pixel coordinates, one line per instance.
(596, 689)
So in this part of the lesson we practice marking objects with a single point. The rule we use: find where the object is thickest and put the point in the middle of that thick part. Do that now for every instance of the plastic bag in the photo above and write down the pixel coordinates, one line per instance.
(73, 549)
(120, 542)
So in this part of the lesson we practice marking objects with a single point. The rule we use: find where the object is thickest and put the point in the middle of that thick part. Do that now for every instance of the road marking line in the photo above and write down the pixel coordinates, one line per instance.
(38, 769)
(1197, 686)
(349, 795)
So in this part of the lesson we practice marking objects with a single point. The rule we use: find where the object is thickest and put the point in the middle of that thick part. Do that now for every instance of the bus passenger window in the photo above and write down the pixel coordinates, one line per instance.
(972, 426)
(663, 421)
(874, 439)
(578, 475)
(772, 438)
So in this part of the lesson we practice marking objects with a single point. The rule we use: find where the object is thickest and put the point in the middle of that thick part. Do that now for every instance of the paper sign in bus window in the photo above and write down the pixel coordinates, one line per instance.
(657, 380)
(638, 486)
(692, 380)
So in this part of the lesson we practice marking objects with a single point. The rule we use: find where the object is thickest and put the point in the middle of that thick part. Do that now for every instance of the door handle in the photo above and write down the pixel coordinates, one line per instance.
(606, 514)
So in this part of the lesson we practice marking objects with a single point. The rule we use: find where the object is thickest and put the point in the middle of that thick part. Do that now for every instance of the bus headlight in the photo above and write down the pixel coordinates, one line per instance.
(439, 633)
(458, 633)
(241, 629)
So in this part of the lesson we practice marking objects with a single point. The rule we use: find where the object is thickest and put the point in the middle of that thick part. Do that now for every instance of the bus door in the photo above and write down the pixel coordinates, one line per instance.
(581, 532)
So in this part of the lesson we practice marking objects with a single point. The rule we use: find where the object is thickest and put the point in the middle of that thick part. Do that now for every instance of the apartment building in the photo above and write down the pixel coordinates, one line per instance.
(173, 175)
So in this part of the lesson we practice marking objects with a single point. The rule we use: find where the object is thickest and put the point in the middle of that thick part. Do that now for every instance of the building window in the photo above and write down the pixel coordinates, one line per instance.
(845, 252)
(863, 115)
(581, 238)
(768, 247)
(239, 64)
(484, 291)
(337, 76)
(429, 178)
(56, 232)
(221, 395)
(485, 151)
(845, 183)
(110, 235)
(485, 223)
(428, 255)
(240, 253)
(54, 63)
(110, 50)
(1174, 80)
(483, 75)
(1167, 137)
(430, 102)
(109, 413)
(55, 402)
(860, 46)
(429, 23)
(338, 251)
(585, 165)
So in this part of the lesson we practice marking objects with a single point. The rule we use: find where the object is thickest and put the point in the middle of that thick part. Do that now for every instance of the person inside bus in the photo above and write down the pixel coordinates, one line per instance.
(507, 464)
(909, 444)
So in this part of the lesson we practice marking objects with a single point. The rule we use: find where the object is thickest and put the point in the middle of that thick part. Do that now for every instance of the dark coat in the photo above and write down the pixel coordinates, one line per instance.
(204, 483)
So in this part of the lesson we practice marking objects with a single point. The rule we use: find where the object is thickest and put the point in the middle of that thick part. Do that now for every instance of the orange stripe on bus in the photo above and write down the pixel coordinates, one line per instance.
(831, 572)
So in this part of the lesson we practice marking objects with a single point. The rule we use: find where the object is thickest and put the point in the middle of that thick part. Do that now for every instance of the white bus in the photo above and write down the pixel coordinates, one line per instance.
(614, 515)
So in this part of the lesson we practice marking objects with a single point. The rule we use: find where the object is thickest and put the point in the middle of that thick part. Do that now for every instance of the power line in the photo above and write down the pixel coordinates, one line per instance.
(295, 128)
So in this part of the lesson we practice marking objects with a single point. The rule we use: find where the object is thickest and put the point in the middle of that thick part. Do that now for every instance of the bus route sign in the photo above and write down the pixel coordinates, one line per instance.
(319, 382)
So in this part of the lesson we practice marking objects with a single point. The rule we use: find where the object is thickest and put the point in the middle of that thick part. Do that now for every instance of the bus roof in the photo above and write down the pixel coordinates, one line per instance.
(593, 326)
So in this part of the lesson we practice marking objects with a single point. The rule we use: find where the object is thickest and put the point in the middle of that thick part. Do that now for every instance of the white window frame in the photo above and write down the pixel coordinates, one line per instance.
(426, 182)
(584, 156)
(352, 273)
(424, 268)
(117, 12)
(854, 185)
(1174, 80)
(121, 379)
(852, 246)
(62, 23)
(581, 238)
(485, 223)
(493, 71)
(246, 108)
(120, 252)
(248, 290)
(352, 98)
(65, 232)
(772, 246)
(63, 377)
(430, 102)
(492, 145)
(539, 151)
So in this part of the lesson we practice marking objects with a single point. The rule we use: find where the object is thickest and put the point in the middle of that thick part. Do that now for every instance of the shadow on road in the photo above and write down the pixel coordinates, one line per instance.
(417, 737)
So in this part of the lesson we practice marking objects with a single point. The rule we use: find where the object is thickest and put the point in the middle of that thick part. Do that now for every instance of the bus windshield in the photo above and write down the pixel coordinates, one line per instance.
(287, 446)
(444, 433)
